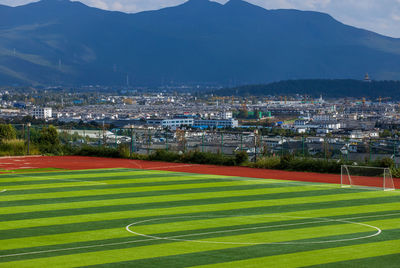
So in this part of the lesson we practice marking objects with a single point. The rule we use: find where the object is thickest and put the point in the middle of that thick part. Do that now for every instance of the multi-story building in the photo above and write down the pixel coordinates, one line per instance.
(42, 113)
(174, 122)
(206, 123)
(214, 123)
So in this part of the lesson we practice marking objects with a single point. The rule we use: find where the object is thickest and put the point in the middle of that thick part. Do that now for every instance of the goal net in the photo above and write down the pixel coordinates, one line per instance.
(380, 178)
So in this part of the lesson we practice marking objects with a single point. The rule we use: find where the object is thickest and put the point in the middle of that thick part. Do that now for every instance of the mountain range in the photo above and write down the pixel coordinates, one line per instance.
(60, 42)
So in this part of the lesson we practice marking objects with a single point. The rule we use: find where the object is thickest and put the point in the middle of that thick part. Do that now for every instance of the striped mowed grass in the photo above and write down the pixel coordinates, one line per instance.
(146, 218)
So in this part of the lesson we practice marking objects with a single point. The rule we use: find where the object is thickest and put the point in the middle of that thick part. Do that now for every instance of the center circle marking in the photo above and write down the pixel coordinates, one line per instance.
(320, 220)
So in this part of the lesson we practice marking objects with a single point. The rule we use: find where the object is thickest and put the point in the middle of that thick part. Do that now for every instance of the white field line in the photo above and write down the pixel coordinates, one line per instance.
(152, 239)
(178, 237)
(2, 191)
(74, 248)
(68, 180)
(283, 182)
(73, 180)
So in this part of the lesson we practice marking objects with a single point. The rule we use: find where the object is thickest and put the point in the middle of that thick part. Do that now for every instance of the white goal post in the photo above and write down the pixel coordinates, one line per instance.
(362, 176)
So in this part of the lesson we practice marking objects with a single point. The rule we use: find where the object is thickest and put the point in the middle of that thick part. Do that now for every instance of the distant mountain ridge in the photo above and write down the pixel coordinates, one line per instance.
(54, 42)
(331, 88)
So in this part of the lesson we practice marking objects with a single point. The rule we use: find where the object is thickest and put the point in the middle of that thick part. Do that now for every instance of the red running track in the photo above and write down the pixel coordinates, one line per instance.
(82, 162)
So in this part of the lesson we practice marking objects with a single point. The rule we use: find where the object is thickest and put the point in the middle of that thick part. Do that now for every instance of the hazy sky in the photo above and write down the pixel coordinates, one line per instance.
(382, 16)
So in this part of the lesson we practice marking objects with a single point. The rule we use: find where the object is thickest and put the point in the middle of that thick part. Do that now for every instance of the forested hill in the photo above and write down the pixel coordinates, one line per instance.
(62, 42)
(315, 87)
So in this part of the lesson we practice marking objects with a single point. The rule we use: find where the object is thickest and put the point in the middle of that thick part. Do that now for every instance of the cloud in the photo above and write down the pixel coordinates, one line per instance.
(381, 16)
(97, 3)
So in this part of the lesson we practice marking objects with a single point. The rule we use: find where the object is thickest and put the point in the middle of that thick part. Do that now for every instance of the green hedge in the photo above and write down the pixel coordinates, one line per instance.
(98, 151)
(292, 163)
(196, 157)
(287, 162)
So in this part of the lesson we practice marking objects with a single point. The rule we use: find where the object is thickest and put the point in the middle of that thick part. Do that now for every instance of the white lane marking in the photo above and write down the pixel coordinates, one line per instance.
(137, 165)
(178, 166)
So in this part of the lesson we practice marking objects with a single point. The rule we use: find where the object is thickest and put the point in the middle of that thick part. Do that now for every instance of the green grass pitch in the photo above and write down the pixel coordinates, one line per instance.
(145, 218)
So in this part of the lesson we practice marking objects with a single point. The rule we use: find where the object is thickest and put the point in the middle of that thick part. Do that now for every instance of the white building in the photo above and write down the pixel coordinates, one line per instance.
(227, 115)
(173, 123)
(323, 117)
(42, 113)
(178, 122)
(214, 123)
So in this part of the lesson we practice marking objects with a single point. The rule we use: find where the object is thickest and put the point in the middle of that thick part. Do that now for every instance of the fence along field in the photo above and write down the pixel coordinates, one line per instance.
(139, 218)
(256, 144)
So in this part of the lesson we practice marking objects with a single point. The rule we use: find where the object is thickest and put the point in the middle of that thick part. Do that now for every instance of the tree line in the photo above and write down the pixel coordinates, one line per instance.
(332, 88)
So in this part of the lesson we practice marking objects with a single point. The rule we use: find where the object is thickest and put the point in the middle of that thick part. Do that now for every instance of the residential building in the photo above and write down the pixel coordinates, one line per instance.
(42, 113)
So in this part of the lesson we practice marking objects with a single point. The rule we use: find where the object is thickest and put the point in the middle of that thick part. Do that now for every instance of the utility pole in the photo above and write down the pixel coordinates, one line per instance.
(131, 151)
(29, 138)
(255, 144)
(241, 142)
(202, 143)
(166, 141)
(222, 143)
(148, 141)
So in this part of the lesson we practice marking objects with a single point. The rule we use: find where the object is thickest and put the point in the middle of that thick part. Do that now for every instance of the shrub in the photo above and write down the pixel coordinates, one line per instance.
(48, 142)
(196, 157)
(384, 162)
(395, 172)
(7, 132)
(163, 155)
(241, 158)
(124, 150)
(292, 163)
(268, 162)
(12, 147)
(98, 151)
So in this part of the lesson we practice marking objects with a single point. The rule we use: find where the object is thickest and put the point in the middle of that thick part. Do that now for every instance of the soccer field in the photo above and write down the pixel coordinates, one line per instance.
(146, 218)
